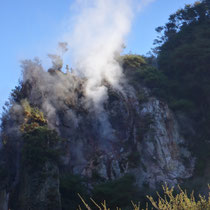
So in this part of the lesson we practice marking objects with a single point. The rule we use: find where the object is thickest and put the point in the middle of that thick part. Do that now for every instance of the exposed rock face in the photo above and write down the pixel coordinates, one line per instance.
(133, 132)
(163, 152)
(142, 139)
(128, 135)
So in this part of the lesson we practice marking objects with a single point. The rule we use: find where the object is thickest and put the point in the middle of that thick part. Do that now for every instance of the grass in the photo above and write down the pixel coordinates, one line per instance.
(169, 201)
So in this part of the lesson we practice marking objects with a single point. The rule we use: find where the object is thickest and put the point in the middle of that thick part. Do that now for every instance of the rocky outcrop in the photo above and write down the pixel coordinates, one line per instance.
(129, 135)
(132, 132)
(145, 141)
(163, 153)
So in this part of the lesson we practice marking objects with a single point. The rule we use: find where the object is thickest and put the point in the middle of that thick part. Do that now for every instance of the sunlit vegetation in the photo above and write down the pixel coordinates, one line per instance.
(170, 200)
(33, 117)
(40, 144)
(133, 60)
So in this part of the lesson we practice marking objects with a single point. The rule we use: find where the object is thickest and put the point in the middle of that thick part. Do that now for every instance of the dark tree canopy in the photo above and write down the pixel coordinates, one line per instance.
(184, 53)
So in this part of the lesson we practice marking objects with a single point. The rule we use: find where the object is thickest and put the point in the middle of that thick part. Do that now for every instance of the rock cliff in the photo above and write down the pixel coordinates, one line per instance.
(130, 132)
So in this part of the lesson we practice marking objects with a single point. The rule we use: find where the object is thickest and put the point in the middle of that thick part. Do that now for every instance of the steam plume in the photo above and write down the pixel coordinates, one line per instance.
(99, 31)
(95, 40)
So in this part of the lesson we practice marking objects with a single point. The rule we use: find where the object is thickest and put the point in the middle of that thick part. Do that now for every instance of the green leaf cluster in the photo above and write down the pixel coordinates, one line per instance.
(118, 192)
(39, 146)
(70, 186)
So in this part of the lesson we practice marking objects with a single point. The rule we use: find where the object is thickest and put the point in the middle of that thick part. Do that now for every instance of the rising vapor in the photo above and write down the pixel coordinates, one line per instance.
(96, 38)
(92, 44)
(99, 31)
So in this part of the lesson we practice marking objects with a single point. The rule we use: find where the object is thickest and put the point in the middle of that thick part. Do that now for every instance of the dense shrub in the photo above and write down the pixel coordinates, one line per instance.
(139, 72)
(133, 60)
(118, 192)
(70, 186)
(40, 145)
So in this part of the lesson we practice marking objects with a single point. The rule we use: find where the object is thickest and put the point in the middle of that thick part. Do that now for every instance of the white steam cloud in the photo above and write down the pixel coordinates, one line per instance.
(96, 39)
(92, 44)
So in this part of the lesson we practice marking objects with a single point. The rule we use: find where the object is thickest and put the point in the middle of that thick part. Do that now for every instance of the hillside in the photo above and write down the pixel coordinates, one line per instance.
(63, 133)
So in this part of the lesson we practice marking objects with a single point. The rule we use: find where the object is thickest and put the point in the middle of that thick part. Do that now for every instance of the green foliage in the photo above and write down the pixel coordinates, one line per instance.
(182, 104)
(40, 145)
(96, 177)
(16, 93)
(151, 77)
(33, 117)
(183, 56)
(70, 186)
(133, 61)
(118, 192)
(142, 73)
(189, 15)
(187, 65)
(20, 92)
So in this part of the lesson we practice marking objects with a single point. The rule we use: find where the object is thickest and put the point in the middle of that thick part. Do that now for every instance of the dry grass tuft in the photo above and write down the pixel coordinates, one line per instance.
(169, 201)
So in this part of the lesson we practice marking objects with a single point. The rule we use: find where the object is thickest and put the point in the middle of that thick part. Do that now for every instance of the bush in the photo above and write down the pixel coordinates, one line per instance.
(140, 72)
(118, 192)
(70, 186)
(33, 117)
(179, 201)
(40, 145)
(133, 61)
(169, 201)
(181, 104)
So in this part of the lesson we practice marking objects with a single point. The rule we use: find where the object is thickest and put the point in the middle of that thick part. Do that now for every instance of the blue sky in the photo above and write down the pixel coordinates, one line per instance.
(30, 28)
